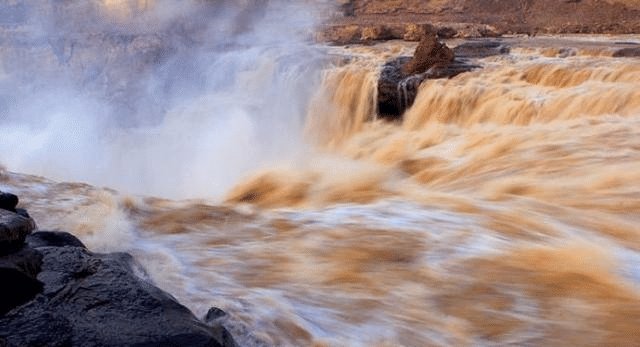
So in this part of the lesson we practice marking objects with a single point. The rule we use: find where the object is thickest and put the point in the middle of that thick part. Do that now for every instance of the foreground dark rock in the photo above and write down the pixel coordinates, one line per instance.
(55, 292)
(400, 78)
(18, 272)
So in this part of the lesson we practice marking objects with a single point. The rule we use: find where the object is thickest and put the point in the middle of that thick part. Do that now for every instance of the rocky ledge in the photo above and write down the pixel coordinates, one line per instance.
(401, 77)
(55, 292)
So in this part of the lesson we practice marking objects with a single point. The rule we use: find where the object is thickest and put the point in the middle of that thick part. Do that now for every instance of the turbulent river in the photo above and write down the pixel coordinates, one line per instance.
(503, 210)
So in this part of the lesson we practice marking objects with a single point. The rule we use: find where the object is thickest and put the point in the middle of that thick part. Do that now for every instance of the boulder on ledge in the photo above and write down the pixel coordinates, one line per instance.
(429, 53)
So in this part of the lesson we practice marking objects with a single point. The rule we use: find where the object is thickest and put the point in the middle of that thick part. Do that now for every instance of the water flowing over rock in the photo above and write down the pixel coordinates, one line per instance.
(401, 77)
(55, 292)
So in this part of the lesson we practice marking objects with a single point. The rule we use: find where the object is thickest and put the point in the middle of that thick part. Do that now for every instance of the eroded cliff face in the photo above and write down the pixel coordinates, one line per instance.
(368, 20)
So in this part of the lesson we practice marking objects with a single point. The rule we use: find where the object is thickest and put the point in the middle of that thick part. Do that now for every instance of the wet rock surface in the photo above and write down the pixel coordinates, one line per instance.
(55, 292)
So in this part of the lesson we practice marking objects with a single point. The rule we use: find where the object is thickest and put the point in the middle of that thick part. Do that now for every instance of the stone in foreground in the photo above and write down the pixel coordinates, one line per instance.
(93, 299)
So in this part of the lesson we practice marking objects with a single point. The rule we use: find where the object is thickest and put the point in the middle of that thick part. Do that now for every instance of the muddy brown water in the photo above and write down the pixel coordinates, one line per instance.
(503, 210)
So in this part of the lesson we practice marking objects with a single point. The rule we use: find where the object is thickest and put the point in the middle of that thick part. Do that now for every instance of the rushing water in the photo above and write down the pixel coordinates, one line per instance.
(503, 210)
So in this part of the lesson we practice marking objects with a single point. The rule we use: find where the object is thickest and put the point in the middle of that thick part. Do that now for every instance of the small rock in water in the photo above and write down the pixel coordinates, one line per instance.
(213, 314)
(212, 318)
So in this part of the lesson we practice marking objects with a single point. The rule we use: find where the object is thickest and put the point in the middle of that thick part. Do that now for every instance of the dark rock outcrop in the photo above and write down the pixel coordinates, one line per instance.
(55, 292)
(400, 78)
(97, 300)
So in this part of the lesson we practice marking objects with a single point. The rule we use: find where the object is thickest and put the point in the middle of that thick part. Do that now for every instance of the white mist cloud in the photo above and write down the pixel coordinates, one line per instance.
(174, 98)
